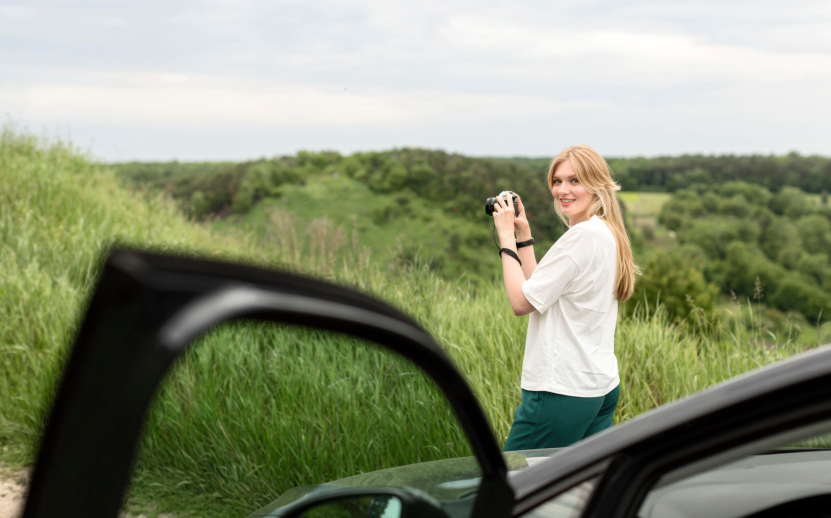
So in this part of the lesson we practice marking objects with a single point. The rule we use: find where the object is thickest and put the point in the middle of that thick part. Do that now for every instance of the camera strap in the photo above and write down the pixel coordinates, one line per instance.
(507, 250)
(511, 253)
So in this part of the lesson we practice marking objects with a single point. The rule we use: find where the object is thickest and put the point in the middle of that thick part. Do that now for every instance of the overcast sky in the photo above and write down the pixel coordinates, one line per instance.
(236, 79)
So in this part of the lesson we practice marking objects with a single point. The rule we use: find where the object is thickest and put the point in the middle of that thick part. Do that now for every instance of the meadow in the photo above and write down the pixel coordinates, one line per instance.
(253, 410)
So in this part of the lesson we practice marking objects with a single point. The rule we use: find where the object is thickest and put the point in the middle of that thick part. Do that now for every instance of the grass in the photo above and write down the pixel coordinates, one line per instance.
(644, 204)
(253, 410)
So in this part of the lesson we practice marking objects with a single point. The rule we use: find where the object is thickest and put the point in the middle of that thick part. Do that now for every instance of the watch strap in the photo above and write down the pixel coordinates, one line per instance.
(522, 244)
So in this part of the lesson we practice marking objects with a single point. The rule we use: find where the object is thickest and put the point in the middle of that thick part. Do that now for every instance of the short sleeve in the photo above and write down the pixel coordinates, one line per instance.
(551, 277)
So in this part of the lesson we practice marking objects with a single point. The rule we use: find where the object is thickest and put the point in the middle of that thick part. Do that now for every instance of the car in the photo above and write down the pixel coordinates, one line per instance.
(752, 446)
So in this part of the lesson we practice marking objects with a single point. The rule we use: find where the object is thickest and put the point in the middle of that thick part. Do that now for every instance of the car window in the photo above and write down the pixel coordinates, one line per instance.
(253, 411)
(788, 480)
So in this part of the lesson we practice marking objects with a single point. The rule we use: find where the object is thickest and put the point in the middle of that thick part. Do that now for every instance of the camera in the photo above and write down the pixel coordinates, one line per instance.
(490, 202)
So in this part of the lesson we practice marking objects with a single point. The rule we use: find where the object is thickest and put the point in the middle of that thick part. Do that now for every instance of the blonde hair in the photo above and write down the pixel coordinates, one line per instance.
(593, 173)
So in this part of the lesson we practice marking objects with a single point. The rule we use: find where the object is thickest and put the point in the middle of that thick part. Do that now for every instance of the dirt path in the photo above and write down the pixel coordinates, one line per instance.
(12, 489)
(11, 494)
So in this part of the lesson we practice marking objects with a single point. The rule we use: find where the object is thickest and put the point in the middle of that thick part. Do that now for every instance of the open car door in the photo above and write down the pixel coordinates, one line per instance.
(146, 310)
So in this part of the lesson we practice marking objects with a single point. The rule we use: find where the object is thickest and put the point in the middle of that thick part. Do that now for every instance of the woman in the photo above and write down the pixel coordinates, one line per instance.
(570, 382)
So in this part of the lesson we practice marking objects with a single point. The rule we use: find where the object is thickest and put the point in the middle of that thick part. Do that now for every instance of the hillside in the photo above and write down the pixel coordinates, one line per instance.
(251, 409)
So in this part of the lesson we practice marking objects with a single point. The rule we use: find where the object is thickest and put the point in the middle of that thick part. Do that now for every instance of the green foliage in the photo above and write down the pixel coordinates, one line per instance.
(713, 235)
(794, 293)
(808, 173)
(318, 162)
(58, 213)
(205, 448)
(671, 278)
(815, 231)
(790, 202)
(818, 268)
(209, 189)
(781, 236)
(751, 236)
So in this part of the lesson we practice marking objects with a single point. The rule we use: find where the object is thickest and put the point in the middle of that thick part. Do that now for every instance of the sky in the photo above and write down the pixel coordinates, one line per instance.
(211, 80)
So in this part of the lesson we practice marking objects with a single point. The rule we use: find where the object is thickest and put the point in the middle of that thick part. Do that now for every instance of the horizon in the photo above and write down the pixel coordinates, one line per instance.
(506, 157)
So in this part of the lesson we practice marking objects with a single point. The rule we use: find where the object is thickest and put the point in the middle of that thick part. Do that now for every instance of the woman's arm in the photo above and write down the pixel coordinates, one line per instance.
(514, 274)
(523, 233)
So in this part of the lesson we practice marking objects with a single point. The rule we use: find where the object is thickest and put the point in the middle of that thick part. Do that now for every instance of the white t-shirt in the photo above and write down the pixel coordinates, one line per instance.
(570, 347)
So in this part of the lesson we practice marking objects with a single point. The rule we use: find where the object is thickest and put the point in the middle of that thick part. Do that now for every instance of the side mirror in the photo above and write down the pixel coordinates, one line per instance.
(327, 501)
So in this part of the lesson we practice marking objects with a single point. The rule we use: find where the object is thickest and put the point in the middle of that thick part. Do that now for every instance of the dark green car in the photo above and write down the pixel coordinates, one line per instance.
(754, 446)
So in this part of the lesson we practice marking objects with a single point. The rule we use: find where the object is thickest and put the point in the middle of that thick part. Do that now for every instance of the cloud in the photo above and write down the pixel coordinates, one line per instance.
(635, 58)
(16, 12)
(181, 101)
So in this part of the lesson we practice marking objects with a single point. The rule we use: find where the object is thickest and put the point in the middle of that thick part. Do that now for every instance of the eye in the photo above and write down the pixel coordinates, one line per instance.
(574, 181)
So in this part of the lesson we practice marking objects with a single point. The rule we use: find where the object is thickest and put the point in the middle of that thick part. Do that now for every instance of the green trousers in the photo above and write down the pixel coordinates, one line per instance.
(548, 420)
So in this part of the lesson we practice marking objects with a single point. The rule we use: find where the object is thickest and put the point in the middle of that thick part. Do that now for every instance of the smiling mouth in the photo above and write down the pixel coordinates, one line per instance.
(566, 202)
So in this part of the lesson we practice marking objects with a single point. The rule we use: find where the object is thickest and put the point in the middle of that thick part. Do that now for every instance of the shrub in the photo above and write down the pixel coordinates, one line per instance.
(752, 193)
(198, 206)
(244, 199)
(791, 202)
(744, 265)
(714, 235)
(817, 267)
(669, 277)
(737, 206)
(815, 232)
(780, 235)
(795, 293)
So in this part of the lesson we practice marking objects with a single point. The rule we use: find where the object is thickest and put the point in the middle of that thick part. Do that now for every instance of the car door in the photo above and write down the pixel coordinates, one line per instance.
(147, 309)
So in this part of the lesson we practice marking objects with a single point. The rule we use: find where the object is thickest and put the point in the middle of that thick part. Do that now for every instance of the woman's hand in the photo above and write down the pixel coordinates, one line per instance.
(504, 218)
(521, 225)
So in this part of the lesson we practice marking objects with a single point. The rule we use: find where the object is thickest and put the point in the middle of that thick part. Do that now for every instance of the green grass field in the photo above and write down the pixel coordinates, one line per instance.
(252, 411)
(644, 204)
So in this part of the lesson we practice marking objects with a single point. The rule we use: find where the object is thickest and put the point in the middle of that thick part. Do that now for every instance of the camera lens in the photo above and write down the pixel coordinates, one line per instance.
(489, 203)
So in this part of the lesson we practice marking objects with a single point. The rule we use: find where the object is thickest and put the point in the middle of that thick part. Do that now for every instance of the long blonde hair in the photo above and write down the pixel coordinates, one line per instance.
(593, 173)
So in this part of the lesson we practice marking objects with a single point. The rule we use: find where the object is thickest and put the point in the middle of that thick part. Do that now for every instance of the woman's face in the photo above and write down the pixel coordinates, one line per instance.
(572, 197)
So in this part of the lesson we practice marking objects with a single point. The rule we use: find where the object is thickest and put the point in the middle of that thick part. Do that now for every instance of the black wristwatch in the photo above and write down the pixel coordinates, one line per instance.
(522, 244)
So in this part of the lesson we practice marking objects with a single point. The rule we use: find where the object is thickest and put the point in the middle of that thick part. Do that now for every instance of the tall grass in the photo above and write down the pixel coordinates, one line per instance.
(253, 409)
(58, 212)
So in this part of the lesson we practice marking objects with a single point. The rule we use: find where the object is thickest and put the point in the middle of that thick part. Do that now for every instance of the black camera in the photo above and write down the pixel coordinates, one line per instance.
(490, 202)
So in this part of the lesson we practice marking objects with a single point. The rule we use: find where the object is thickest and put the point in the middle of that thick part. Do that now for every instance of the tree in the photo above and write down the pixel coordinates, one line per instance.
(713, 235)
(669, 277)
(781, 235)
(244, 198)
(794, 293)
(790, 202)
(815, 232)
